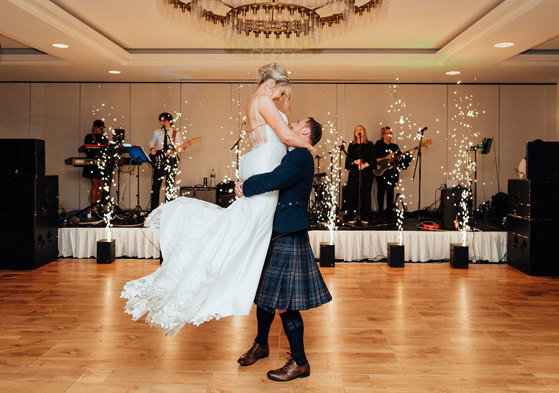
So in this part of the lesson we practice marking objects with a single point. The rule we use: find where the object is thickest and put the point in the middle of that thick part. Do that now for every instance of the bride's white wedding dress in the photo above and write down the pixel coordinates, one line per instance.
(212, 257)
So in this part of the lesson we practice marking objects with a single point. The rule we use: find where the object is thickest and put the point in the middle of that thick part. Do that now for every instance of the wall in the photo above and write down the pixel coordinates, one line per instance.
(62, 114)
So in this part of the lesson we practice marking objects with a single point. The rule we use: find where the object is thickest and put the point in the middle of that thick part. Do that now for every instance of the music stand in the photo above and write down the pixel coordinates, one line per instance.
(137, 157)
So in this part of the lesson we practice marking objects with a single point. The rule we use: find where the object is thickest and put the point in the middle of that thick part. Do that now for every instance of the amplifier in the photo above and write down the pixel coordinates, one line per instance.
(450, 206)
(207, 194)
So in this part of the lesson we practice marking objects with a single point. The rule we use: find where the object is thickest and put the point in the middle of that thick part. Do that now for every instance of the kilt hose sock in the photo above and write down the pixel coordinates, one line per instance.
(294, 329)
(264, 319)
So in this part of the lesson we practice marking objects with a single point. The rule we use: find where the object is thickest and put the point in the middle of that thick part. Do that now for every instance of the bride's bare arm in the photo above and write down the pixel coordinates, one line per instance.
(272, 116)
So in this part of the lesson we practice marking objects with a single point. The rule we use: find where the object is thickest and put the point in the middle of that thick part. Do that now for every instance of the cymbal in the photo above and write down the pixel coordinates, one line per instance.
(318, 157)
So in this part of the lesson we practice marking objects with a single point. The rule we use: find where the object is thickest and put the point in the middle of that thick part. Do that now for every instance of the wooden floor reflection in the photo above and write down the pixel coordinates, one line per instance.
(424, 328)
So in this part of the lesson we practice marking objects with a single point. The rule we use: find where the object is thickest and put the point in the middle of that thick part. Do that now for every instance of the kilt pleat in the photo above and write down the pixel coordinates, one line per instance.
(290, 277)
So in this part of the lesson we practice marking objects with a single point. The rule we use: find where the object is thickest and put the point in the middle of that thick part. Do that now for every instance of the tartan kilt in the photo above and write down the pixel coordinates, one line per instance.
(290, 277)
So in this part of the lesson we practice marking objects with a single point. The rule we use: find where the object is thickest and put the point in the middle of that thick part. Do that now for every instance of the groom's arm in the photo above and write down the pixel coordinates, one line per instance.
(292, 169)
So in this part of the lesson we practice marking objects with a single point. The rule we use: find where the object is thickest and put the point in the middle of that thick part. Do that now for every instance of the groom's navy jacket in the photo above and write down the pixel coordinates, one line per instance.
(293, 177)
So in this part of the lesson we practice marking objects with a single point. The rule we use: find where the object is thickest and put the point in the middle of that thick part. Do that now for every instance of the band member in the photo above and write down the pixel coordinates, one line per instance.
(388, 180)
(162, 149)
(360, 159)
(96, 137)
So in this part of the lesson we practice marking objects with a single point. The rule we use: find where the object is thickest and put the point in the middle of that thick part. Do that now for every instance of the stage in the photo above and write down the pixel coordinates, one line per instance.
(350, 245)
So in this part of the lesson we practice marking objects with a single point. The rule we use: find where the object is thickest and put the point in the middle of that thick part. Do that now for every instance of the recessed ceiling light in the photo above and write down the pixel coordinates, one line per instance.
(61, 46)
(452, 72)
(504, 44)
(114, 72)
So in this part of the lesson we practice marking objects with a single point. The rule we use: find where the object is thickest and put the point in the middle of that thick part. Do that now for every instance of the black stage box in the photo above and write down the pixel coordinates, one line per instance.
(28, 241)
(533, 199)
(531, 245)
(542, 160)
(22, 157)
(29, 195)
(458, 256)
(395, 255)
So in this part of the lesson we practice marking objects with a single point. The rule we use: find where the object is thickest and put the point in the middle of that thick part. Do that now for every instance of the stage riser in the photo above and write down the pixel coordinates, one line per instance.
(420, 246)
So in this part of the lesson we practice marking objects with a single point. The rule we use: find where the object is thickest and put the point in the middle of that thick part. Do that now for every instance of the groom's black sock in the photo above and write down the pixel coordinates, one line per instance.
(294, 329)
(264, 319)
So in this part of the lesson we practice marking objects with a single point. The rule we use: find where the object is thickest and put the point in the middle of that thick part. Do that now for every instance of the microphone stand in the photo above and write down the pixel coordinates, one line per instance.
(358, 221)
(341, 149)
(418, 162)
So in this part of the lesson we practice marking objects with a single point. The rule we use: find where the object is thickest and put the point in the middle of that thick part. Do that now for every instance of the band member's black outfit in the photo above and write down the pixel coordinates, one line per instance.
(388, 180)
(166, 166)
(93, 171)
(355, 151)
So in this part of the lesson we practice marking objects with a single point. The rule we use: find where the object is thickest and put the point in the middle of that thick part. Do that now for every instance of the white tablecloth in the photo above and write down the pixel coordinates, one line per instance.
(420, 246)
(129, 242)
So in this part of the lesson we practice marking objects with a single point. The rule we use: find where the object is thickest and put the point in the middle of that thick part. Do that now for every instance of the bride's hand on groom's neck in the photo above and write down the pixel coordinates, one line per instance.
(313, 151)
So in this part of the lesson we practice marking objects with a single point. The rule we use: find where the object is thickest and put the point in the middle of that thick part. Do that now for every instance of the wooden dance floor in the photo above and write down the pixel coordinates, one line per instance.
(424, 328)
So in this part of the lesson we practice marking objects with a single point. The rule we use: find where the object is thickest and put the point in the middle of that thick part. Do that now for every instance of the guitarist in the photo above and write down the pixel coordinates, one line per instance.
(165, 165)
(388, 180)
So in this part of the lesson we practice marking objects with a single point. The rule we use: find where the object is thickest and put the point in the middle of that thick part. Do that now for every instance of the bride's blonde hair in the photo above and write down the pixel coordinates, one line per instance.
(279, 75)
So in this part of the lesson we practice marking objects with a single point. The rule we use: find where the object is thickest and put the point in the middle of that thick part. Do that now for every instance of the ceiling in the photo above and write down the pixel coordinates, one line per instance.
(410, 41)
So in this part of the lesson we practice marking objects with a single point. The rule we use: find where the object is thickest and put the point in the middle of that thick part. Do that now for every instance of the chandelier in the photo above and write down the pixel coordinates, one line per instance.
(271, 24)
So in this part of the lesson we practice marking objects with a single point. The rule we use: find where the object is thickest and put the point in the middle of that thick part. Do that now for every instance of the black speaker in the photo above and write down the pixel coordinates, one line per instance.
(29, 195)
(533, 199)
(531, 245)
(450, 206)
(22, 157)
(542, 160)
(28, 241)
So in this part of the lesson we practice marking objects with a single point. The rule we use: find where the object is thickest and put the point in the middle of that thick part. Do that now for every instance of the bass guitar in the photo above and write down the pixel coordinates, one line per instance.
(158, 159)
(388, 162)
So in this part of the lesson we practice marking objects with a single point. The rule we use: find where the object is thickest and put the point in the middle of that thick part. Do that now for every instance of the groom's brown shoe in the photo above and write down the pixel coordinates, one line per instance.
(290, 371)
(255, 352)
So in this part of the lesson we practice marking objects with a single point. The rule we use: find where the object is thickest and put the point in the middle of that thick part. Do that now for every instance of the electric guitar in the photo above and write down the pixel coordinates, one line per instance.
(388, 162)
(158, 159)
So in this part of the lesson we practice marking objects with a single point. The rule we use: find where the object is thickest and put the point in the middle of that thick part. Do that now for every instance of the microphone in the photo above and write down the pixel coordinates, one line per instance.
(236, 143)
(424, 129)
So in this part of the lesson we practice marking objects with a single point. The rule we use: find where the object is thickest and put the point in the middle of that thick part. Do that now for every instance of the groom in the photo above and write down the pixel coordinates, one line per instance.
(290, 279)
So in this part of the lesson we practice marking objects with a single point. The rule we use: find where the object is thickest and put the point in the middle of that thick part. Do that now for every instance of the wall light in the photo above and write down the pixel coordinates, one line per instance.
(452, 72)
(61, 46)
(114, 72)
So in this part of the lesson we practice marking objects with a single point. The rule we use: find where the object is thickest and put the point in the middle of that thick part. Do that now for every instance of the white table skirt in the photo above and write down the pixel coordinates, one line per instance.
(420, 246)
(129, 242)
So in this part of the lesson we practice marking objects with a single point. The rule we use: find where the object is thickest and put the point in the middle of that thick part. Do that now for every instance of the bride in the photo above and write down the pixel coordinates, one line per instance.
(213, 257)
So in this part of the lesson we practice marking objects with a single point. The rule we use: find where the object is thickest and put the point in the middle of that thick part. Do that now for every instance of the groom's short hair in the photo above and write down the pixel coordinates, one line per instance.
(316, 130)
